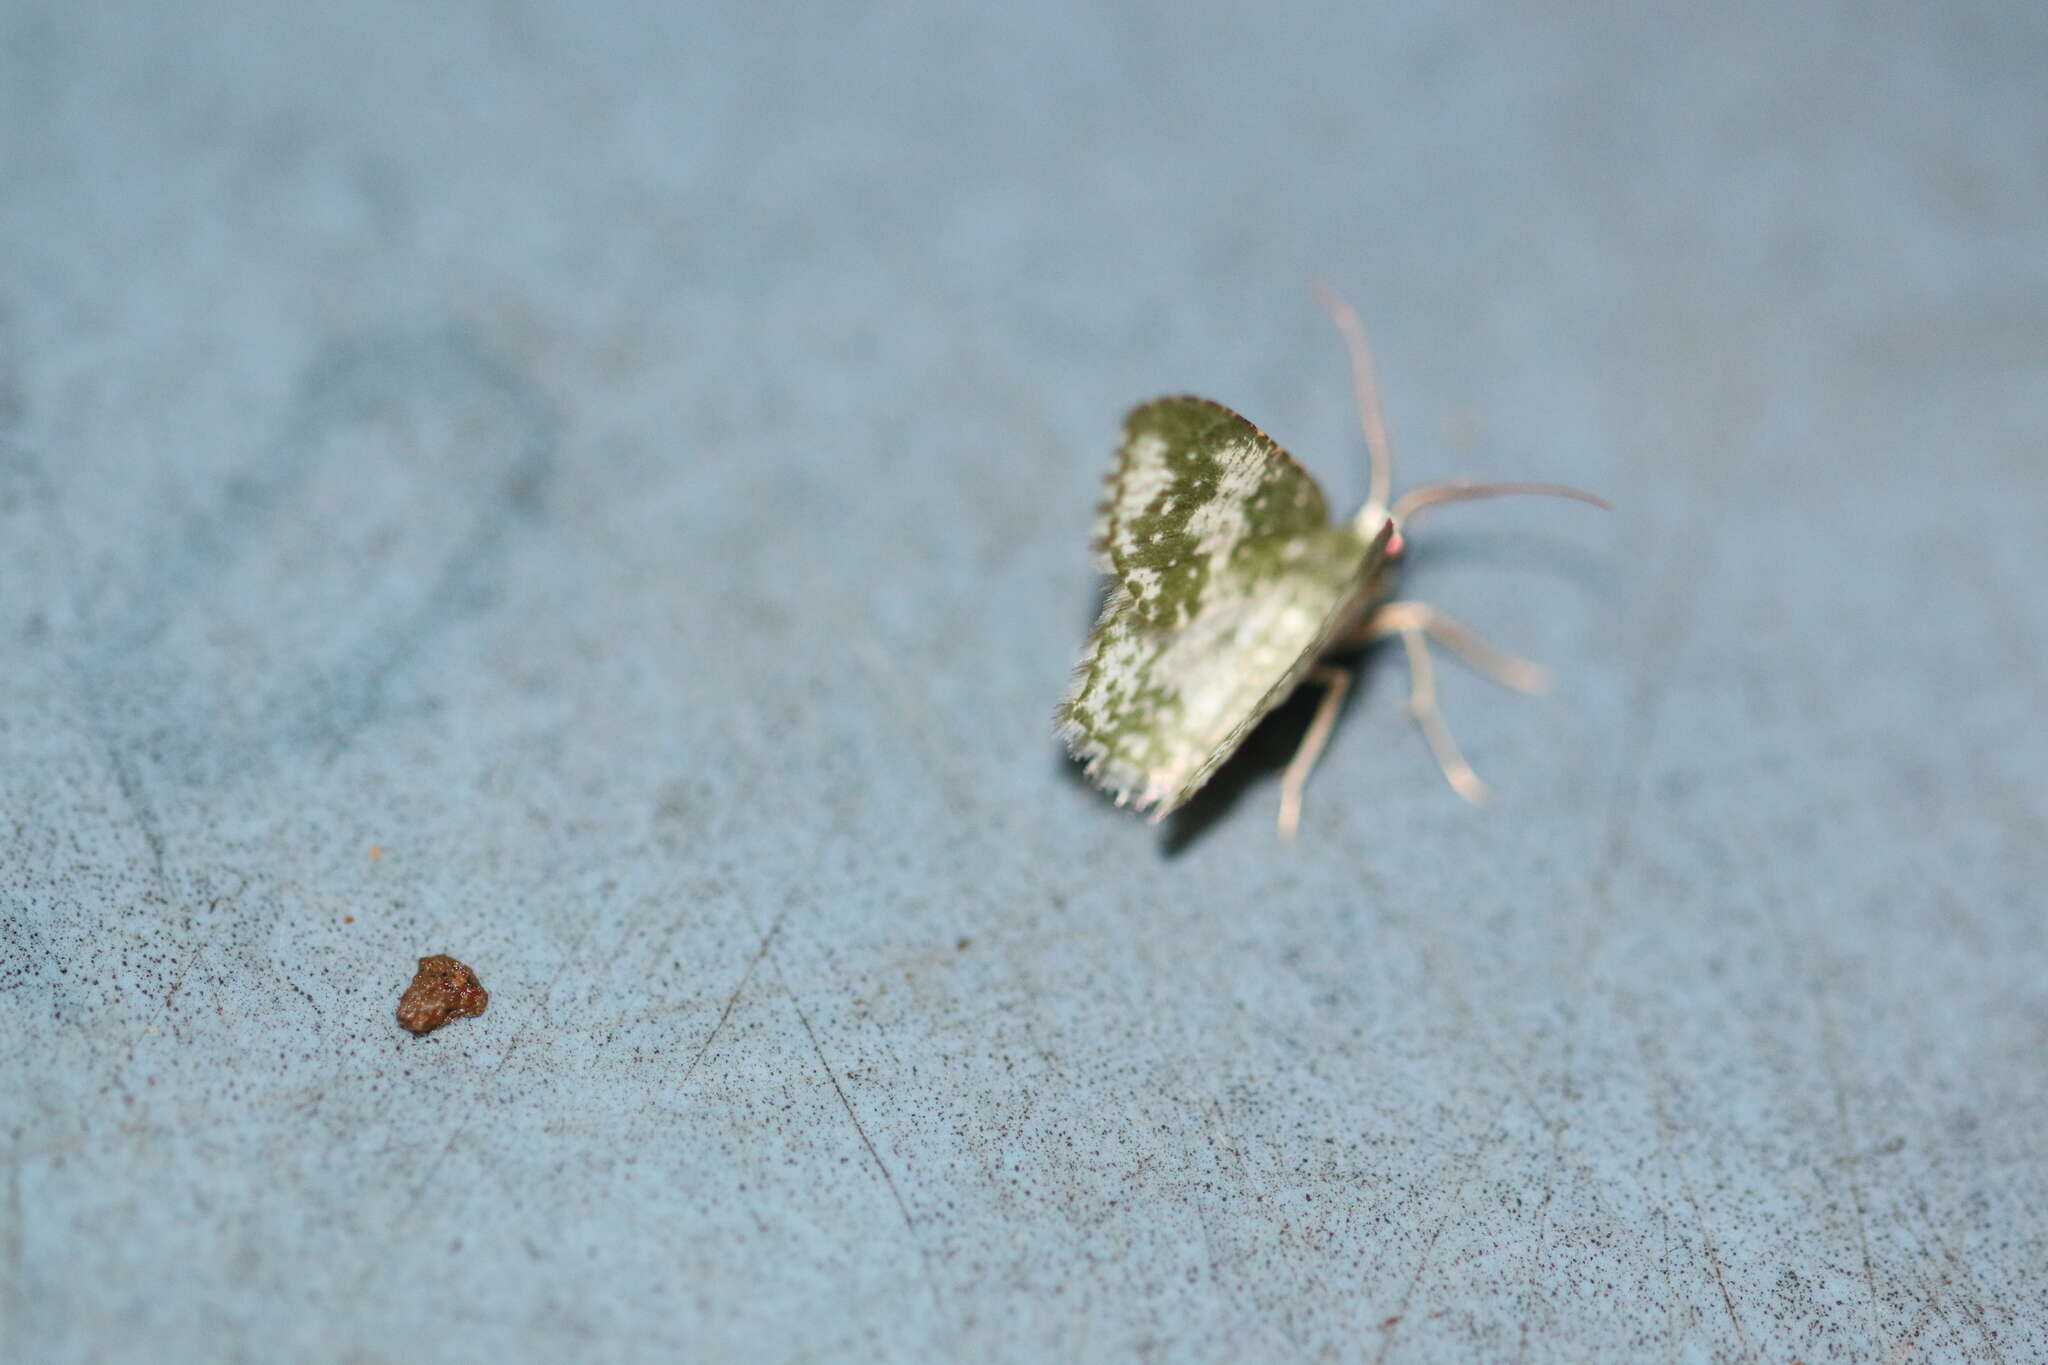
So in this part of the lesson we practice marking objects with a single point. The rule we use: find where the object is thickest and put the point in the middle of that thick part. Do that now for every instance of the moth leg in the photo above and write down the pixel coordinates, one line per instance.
(1415, 623)
(1509, 670)
(1335, 682)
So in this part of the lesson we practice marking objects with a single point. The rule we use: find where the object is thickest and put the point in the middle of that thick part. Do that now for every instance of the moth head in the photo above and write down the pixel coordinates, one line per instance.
(1376, 516)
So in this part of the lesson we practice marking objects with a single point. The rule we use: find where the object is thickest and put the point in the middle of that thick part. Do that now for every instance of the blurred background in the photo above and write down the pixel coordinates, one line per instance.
(603, 491)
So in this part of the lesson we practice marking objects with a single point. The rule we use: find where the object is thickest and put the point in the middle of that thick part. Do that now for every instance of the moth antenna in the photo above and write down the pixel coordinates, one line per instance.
(1464, 490)
(1365, 390)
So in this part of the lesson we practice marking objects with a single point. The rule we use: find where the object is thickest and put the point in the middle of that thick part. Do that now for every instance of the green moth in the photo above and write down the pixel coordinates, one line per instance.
(1230, 587)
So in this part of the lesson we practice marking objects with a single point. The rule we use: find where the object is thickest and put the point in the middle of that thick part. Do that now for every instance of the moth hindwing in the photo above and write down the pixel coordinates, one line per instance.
(1226, 583)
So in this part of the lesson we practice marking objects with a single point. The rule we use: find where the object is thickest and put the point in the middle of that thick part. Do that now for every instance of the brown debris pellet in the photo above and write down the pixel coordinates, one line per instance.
(443, 991)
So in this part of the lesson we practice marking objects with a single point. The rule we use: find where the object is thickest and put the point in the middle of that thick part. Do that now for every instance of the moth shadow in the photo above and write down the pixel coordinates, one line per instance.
(1264, 755)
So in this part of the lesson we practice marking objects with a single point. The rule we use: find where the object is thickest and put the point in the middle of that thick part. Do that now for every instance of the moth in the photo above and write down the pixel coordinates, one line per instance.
(1229, 587)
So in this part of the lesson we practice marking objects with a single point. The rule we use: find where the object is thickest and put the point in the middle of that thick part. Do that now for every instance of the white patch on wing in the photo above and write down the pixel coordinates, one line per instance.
(1142, 583)
(1219, 675)
(1146, 474)
(1221, 666)
(1220, 524)
(1141, 473)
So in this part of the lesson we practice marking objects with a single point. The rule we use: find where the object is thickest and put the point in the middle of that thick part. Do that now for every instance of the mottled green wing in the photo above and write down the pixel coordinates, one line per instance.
(1194, 479)
(1227, 584)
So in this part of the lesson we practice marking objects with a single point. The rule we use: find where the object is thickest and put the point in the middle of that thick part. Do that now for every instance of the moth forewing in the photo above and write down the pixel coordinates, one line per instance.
(1227, 584)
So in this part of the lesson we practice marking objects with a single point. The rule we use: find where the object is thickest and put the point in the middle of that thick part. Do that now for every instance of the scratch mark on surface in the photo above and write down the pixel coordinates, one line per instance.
(1903, 1351)
(1456, 1203)
(888, 1179)
(1685, 566)
(389, 370)
(466, 574)
(1482, 1032)
(1971, 1300)
(2014, 635)
(1543, 1228)
(1971, 1303)
(1408, 1294)
(17, 1282)
(1220, 1135)
(1830, 1060)
(129, 780)
(1678, 601)
(888, 679)
(158, 1014)
(1201, 1206)
(1699, 1221)
(1662, 1213)
(52, 514)
(767, 941)
(416, 1206)
(1720, 1276)
(461, 1129)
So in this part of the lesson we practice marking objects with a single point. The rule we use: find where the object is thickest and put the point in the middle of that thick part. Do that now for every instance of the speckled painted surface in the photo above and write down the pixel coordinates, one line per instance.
(603, 493)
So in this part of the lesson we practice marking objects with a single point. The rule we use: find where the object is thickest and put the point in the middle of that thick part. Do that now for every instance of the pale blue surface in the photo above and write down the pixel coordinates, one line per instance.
(632, 468)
